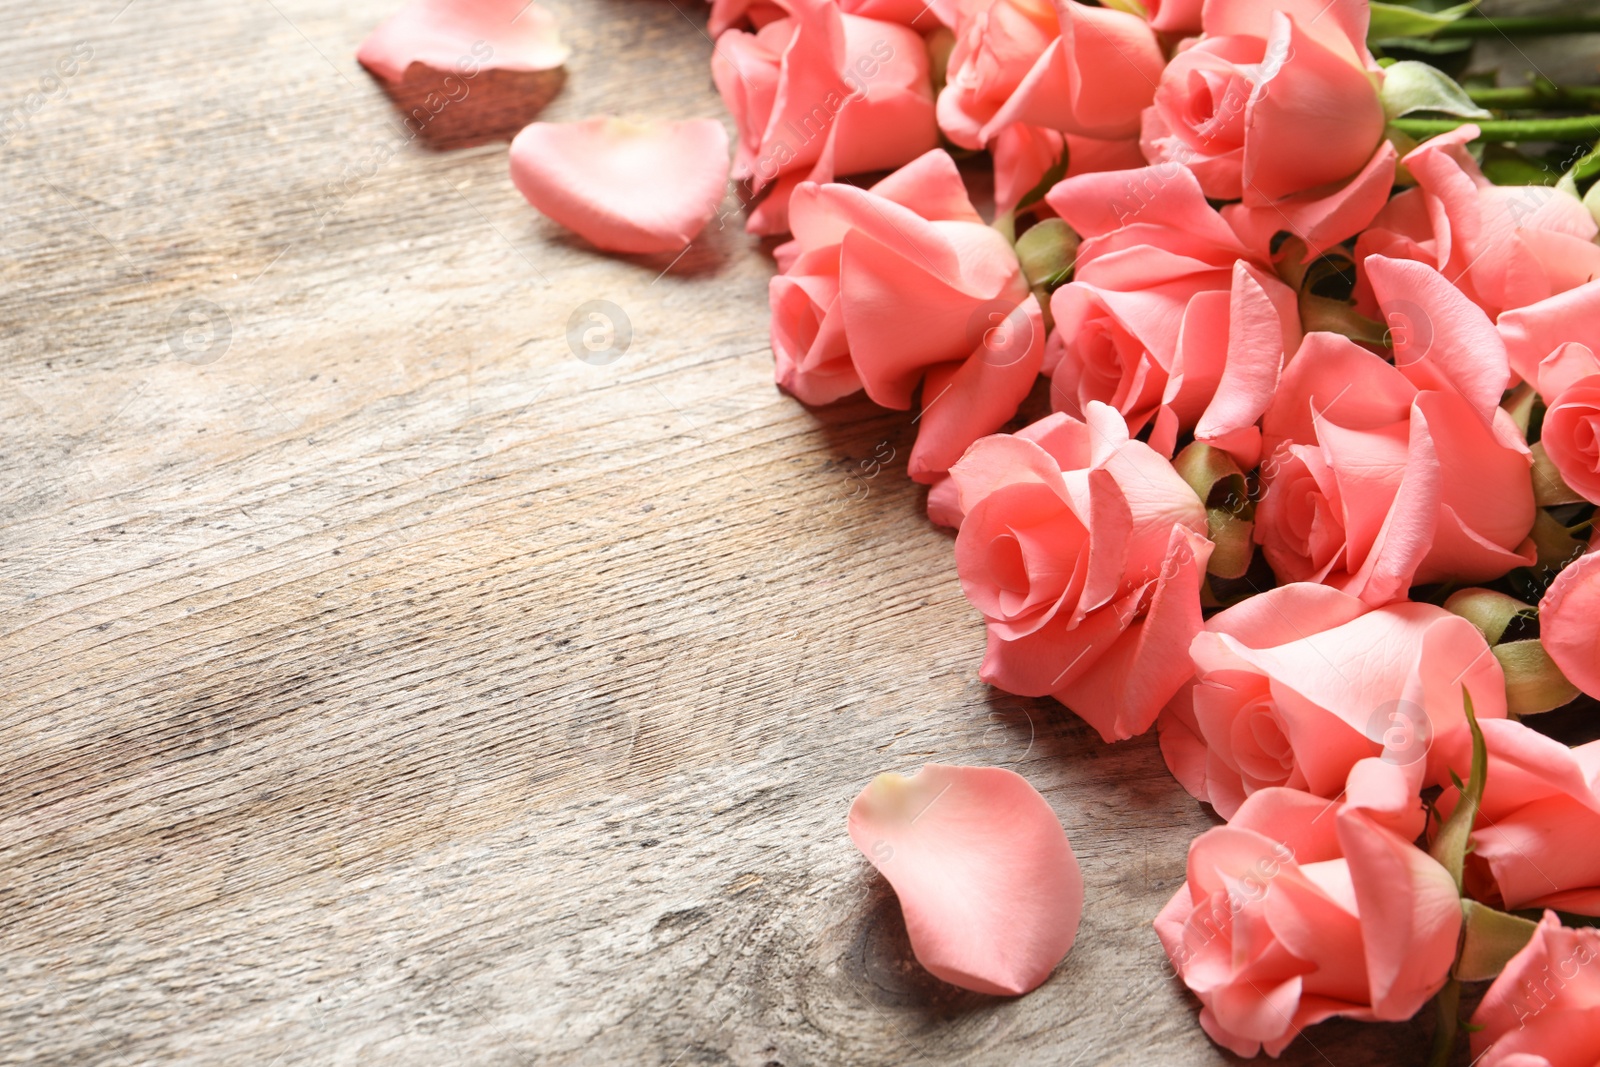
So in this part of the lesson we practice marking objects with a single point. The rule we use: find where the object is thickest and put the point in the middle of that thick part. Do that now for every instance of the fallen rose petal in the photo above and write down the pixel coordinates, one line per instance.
(625, 187)
(987, 881)
(448, 34)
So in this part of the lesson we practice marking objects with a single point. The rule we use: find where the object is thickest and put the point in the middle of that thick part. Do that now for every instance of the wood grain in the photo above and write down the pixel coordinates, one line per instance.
(383, 684)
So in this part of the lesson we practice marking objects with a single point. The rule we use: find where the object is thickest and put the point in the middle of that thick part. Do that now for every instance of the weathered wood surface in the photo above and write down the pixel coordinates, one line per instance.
(383, 684)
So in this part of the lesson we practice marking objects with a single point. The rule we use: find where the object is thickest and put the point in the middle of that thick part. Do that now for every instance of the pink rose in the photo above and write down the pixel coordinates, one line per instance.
(1555, 345)
(1294, 686)
(1024, 154)
(821, 94)
(1559, 330)
(1058, 65)
(1504, 246)
(1571, 430)
(1544, 1009)
(1084, 551)
(1169, 318)
(1277, 105)
(1569, 622)
(1533, 842)
(1300, 910)
(899, 286)
(1381, 476)
(921, 15)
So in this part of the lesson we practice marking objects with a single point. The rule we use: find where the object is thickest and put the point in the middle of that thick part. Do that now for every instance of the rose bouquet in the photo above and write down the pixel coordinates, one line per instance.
(1318, 332)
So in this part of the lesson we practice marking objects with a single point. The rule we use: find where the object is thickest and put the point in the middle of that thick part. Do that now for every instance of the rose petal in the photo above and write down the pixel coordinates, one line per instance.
(624, 187)
(987, 881)
(1442, 340)
(1567, 624)
(443, 33)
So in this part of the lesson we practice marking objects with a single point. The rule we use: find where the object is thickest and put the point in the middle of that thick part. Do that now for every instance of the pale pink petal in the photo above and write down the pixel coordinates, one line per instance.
(1263, 329)
(964, 401)
(1532, 333)
(987, 881)
(1568, 624)
(1441, 339)
(1321, 217)
(624, 187)
(1410, 915)
(448, 34)
(1123, 691)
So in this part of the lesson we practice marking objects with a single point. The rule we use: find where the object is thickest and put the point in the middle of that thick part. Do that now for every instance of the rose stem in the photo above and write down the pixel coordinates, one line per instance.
(1530, 26)
(1577, 128)
(1538, 96)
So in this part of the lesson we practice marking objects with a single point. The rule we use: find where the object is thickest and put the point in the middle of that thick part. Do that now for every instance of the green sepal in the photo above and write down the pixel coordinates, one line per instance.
(1489, 938)
(1549, 488)
(1489, 611)
(1410, 86)
(1534, 683)
(1230, 513)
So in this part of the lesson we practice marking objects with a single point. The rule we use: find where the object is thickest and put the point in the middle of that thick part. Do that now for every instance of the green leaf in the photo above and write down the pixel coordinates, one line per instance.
(1450, 847)
(1398, 20)
(1489, 939)
(1410, 86)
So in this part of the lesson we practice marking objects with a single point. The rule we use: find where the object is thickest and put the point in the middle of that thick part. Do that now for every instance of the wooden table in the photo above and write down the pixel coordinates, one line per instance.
(386, 685)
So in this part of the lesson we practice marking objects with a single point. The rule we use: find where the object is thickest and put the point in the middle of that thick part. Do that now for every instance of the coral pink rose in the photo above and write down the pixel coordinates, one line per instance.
(1378, 476)
(1277, 105)
(1571, 430)
(1169, 318)
(1024, 154)
(1569, 622)
(1559, 329)
(920, 15)
(901, 285)
(1504, 246)
(1295, 685)
(1544, 1009)
(820, 94)
(1555, 345)
(1299, 910)
(1533, 842)
(1084, 551)
(1055, 64)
